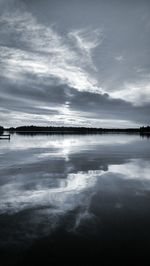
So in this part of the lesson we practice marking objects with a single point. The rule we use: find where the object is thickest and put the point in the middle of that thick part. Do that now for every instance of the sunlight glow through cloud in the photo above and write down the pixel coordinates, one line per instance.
(138, 94)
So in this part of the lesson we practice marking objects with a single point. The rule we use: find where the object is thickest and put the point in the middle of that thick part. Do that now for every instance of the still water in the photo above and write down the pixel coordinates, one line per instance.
(66, 191)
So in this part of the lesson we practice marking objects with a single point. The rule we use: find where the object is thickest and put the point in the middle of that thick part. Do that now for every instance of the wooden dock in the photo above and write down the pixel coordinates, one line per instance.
(5, 136)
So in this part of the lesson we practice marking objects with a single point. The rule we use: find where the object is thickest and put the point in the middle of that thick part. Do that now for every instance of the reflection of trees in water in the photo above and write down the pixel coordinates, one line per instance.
(145, 135)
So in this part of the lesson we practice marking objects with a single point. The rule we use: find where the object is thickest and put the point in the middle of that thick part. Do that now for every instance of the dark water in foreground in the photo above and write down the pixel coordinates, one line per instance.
(73, 199)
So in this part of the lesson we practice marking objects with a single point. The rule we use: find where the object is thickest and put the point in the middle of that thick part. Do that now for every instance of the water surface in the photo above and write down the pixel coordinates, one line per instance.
(86, 194)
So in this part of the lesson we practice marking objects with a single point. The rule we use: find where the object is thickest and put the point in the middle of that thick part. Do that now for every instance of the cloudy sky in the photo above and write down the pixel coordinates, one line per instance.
(75, 62)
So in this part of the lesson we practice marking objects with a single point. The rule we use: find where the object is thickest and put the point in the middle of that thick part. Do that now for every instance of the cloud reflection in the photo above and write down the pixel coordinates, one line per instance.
(45, 178)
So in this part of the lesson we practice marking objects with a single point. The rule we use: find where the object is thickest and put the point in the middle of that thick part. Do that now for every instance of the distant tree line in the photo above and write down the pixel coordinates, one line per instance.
(78, 130)
(53, 129)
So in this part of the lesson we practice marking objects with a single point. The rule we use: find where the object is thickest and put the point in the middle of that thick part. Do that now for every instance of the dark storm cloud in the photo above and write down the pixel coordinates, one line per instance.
(87, 67)
(88, 105)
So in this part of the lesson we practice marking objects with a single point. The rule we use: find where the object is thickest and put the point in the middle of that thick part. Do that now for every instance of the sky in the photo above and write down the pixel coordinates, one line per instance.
(75, 63)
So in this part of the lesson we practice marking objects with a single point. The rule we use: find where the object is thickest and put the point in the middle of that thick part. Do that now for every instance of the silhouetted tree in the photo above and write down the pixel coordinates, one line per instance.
(1, 130)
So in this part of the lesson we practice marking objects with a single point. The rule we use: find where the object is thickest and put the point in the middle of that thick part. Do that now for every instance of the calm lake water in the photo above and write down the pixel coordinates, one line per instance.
(62, 196)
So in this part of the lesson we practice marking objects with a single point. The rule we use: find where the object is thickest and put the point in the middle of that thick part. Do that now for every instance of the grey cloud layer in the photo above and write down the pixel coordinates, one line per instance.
(80, 75)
